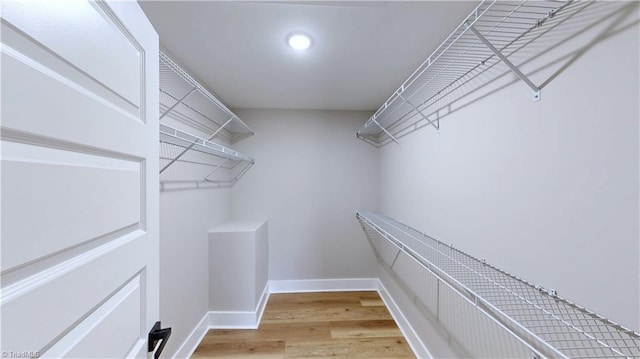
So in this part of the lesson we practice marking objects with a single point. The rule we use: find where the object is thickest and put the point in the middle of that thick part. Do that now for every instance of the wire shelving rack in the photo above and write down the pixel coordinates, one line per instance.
(186, 103)
(489, 35)
(213, 155)
(551, 326)
(186, 100)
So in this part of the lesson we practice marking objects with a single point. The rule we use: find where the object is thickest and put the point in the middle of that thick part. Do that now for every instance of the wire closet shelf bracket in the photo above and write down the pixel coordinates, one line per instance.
(549, 325)
(487, 36)
(186, 103)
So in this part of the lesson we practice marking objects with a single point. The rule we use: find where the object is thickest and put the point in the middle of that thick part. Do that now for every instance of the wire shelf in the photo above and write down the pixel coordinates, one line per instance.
(176, 137)
(185, 100)
(551, 326)
(204, 160)
(489, 35)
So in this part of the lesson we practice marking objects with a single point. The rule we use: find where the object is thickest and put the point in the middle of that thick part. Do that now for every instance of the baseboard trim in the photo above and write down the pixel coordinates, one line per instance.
(264, 298)
(240, 319)
(251, 319)
(193, 339)
(323, 285)
(418, 347)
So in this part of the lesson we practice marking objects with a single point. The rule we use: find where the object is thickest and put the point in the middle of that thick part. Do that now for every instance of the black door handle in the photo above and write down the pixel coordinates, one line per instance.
(155, 335)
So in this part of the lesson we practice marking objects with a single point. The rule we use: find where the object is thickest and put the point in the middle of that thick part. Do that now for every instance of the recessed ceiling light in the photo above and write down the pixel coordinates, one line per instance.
(299, 40)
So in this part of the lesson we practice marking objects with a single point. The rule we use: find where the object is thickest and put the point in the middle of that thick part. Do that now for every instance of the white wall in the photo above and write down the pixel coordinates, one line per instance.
(187, 212)
(547, 190)
(310, 177)
(186, 216)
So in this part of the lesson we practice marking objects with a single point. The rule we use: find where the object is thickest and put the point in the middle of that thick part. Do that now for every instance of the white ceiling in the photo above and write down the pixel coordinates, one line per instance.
(362, 51)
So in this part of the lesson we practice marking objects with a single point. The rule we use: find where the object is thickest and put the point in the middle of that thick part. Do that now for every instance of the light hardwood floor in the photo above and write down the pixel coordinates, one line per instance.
(314, 325)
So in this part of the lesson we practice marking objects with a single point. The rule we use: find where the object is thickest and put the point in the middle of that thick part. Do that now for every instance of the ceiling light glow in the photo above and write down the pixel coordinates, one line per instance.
(299, 40)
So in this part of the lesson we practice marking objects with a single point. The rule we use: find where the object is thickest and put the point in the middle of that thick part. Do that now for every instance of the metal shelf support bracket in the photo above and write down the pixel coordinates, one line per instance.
(435, 123)
(514, 68)
(188, 148)
(215, 169)
(177, 103)
(220, 129)
(385, 131)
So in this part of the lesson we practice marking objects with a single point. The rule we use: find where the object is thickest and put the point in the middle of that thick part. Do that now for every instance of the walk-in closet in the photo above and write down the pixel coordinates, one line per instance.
(314, 179)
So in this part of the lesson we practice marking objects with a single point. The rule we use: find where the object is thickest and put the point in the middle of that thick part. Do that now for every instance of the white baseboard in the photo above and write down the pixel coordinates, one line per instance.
(418, 347)
(193, 339)
(232, 320)
(240, 320)
(222, 320)
(251, 319)
(264, 298)
(323, 285)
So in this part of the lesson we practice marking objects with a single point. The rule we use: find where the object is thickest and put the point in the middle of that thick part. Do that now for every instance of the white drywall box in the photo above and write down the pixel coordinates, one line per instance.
(238, 271)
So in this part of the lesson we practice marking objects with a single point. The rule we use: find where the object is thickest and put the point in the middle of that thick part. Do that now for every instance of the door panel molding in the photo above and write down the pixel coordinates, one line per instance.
(80, 165)
(115, 324)
(34, 281)
(27, 305)
(17, 47)
(50, 262)
(53, 27)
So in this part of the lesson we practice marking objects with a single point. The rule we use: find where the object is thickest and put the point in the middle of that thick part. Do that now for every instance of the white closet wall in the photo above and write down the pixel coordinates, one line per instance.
(187, 213)
(546, 190)
(186, 216)
(310, 177)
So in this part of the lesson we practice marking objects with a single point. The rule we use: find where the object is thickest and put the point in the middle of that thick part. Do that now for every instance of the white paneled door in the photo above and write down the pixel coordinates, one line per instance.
(79, 179)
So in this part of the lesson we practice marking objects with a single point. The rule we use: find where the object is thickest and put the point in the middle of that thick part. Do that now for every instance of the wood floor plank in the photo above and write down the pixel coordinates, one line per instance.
(350, 348)
(365, 329)
(372, 303)
(326, 314)
(324, 299)
(268, 349)
(303, 331)
(314, 325)
(319, 296)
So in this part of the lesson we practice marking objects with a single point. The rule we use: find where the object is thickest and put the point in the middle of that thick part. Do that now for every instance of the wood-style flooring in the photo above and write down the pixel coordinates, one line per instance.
(314, 325)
